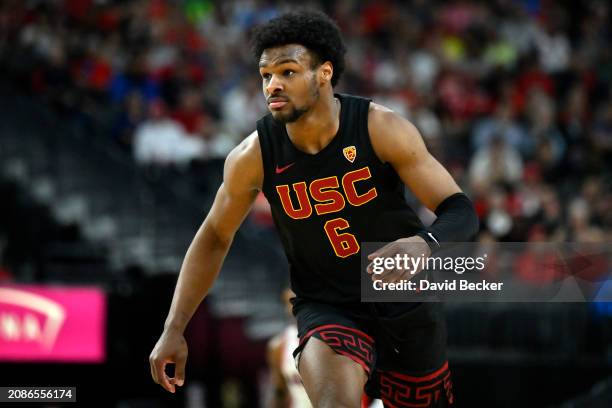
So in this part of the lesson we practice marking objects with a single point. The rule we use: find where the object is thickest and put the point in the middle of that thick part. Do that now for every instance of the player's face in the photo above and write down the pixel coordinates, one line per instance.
(289, 81)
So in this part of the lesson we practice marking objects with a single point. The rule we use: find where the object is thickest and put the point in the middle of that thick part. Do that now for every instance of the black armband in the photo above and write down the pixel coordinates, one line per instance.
(457, 222)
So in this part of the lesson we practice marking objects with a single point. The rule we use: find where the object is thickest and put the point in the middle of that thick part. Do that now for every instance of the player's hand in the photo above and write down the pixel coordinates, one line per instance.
(412, 247)
(170, 348)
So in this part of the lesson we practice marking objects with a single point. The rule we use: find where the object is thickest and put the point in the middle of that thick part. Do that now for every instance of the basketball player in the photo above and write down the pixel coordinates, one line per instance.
(333, 168)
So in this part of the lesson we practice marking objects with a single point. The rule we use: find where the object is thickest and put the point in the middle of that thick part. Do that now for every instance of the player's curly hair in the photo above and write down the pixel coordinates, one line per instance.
(310, 28)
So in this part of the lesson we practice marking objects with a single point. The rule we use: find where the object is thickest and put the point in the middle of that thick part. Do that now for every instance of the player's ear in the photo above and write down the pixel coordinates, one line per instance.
(326, 72)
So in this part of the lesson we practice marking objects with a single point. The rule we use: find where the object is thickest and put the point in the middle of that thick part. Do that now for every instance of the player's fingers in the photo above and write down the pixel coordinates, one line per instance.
(386, 251)
(168, 386)
(388, 273)
(381, 275)
(179, 371)
(396, 276)
(384, 275)
(153, 373)
(381, 251)
(165, 382)
(152, 364)
(375, 277)
(405, 276)
(162, 378)
(391, 277)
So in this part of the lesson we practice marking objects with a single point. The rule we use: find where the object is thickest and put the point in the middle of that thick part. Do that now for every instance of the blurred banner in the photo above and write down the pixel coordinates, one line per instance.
(52, 323)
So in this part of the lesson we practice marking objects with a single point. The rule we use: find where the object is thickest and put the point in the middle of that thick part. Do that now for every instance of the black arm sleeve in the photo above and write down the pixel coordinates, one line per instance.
(457, 222)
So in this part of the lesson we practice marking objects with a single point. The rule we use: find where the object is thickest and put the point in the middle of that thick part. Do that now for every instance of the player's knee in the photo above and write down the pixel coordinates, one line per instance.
(333, 394)
(331, 380)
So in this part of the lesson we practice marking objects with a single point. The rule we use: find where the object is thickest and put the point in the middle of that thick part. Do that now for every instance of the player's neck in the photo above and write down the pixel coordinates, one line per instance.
(316, 128)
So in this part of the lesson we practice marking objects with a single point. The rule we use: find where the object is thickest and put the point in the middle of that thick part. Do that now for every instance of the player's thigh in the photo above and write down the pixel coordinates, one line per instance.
(336, 353)
(330, 379)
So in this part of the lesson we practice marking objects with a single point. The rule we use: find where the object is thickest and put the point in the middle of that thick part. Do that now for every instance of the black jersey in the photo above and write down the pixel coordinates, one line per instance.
(324, 205)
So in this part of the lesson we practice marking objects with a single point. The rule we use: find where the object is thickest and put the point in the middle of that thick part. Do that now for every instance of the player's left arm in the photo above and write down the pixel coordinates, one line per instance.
(397, 142)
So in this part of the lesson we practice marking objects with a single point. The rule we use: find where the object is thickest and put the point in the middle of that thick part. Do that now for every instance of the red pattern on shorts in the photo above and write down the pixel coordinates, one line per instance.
(347, 341)
(432, 390)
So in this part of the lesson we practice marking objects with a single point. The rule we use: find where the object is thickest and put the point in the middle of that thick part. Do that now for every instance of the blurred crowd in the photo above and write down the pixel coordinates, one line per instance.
(513, 97)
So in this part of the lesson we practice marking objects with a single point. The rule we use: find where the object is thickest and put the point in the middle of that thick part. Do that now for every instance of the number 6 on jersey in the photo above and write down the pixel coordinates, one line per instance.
(344, 243)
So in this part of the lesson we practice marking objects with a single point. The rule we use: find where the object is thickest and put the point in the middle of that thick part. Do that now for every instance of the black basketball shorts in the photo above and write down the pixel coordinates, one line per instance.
(401, 346)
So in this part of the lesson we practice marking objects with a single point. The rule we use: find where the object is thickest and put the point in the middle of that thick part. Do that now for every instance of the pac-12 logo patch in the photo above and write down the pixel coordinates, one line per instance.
(350, 152)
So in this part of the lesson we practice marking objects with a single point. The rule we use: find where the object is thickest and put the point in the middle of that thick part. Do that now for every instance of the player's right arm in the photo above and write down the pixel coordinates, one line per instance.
(242, 181)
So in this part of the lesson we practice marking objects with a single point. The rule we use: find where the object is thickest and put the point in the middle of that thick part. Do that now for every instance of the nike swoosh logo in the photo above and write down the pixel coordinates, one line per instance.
(279, 170)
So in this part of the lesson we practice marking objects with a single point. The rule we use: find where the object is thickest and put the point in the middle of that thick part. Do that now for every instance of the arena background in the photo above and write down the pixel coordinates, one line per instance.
(115, 118)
